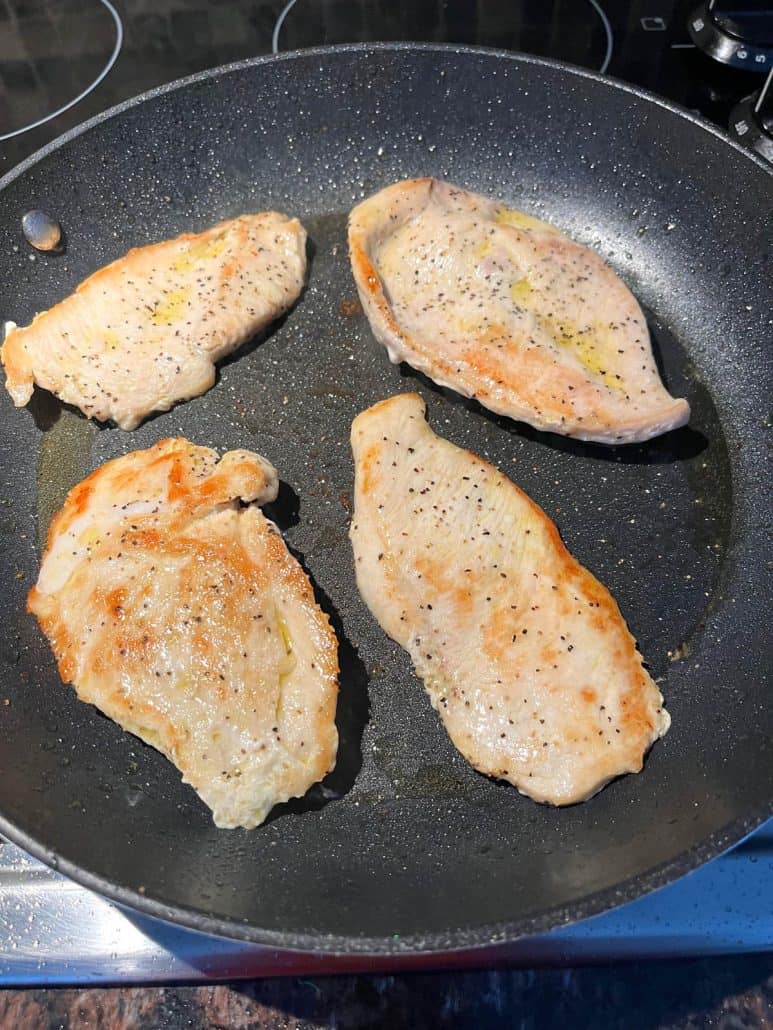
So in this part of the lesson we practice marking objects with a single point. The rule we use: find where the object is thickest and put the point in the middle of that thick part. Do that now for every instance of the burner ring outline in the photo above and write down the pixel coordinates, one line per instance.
(89, 89)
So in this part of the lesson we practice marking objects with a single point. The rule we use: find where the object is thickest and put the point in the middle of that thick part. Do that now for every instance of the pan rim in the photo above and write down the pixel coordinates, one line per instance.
(363, 48)
(448, 942)
(468, 939)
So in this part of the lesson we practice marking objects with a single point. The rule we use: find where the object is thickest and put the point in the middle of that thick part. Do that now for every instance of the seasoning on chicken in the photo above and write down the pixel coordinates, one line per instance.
(173, 605)
(504, 308)
(524, 654)
(145, 331)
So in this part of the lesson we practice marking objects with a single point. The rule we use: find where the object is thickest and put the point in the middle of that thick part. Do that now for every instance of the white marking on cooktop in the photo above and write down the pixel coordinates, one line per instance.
(609, 34)
(594, 3)
(279, 23)
(66, 107)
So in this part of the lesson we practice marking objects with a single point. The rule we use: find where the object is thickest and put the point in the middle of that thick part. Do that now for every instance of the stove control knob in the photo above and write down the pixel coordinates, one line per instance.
(735, 32)
(751, 121)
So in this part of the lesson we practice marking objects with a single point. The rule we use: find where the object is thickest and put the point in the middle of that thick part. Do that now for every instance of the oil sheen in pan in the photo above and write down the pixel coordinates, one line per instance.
(640, 517)
(619, 509)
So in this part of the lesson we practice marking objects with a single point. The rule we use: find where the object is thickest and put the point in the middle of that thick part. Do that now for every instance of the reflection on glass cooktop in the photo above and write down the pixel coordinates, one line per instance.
(50, 59)
(52, 50)
(568, 30)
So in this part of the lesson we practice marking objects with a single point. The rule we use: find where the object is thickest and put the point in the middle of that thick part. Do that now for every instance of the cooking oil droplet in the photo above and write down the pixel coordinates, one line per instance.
(40, 230)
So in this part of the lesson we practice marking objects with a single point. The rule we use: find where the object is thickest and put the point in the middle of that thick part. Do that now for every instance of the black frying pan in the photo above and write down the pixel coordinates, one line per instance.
(405, 848)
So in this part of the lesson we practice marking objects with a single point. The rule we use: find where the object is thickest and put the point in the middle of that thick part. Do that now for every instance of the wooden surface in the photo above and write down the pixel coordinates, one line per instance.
(723, 994)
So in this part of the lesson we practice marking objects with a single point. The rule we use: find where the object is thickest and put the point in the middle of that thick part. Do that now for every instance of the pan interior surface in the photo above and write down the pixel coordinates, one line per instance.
(404, 846)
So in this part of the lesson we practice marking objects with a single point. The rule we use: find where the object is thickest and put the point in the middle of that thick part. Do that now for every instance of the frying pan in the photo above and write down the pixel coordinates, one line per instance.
(404, 848)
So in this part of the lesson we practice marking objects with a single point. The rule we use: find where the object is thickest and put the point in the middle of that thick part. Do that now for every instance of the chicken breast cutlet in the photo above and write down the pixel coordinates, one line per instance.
(524, 654)
(178, 611)
(504, 308)
(145, 332)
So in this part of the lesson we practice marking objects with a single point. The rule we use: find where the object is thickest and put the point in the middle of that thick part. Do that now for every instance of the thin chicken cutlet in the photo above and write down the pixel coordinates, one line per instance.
(173, 605)
(146, 331)
(524, 654)
(504, 308)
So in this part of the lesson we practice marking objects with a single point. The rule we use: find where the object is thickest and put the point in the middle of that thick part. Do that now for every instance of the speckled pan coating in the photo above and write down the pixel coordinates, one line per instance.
(405, 848)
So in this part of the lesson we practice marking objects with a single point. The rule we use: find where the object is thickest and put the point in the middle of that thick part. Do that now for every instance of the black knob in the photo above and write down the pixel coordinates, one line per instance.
(751, 121)
(735, 32)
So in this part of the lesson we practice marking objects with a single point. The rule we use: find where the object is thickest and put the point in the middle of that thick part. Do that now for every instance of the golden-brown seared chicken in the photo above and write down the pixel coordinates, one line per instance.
(146, 331)
(523, 653)
(180, 613)
(504, 308)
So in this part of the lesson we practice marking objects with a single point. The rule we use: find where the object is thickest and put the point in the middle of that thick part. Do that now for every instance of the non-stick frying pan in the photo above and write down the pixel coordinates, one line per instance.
(404, 847)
